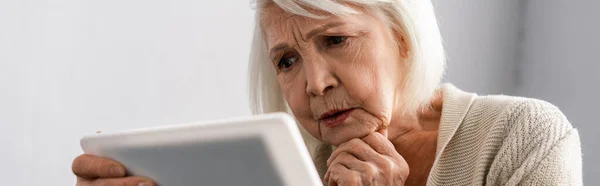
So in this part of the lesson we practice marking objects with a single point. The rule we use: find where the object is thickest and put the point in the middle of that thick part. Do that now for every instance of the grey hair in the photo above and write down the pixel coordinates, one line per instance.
(414, 19)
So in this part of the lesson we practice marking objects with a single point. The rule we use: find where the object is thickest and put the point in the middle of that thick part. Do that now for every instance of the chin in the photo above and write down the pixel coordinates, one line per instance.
(355, 126)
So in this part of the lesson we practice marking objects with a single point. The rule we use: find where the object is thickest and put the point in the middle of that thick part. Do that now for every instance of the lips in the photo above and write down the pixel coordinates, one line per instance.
(334, 118)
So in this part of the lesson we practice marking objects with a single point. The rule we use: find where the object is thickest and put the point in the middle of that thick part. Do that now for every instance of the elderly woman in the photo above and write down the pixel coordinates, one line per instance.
(362, 77)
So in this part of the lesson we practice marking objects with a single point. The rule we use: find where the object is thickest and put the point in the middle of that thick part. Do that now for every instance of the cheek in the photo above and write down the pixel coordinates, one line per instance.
(294, 91)
(368, 79)
(373, 92)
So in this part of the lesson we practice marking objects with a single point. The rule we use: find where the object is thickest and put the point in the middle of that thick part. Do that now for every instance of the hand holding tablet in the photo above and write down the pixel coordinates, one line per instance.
(257, 150)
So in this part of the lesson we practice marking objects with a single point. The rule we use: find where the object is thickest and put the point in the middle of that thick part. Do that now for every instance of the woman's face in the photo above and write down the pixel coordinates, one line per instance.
(340, 75)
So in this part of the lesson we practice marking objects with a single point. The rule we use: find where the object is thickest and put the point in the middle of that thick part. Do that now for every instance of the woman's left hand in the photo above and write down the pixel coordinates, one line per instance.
(372, 160)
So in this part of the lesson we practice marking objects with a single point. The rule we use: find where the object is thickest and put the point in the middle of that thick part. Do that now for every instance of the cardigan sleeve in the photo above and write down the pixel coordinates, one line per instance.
(561, 166)
(541, 147)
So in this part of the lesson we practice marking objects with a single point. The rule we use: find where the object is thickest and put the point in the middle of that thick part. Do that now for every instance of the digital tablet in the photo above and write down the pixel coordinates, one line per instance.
(253, 151)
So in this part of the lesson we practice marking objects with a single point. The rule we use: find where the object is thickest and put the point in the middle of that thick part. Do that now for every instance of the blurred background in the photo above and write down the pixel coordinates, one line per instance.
(70, 68)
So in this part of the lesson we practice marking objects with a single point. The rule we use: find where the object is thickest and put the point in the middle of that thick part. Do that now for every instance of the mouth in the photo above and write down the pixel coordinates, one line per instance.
(334, 118)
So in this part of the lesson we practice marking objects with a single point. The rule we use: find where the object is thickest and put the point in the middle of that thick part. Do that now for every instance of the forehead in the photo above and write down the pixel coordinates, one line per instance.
(278, 24)
(274, 17)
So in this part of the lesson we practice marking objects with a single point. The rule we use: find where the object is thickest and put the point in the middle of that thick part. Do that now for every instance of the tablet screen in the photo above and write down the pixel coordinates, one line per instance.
(243, 161)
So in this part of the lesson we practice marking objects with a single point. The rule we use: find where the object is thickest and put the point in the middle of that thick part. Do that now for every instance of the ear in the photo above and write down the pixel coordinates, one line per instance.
(400, 38)
(403, 47)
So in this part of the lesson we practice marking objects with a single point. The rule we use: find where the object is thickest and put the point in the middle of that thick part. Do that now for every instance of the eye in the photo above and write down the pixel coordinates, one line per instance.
(336, 40)
(286, 62)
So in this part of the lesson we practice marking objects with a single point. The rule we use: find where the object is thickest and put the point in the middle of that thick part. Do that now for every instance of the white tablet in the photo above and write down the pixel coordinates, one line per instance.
(253, 151)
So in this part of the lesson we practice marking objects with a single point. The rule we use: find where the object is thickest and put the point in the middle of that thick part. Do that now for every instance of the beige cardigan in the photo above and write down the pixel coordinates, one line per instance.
(502, 140)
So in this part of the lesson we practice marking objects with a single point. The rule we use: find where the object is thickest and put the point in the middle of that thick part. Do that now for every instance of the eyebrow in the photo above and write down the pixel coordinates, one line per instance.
(310, 35)
(320, 29)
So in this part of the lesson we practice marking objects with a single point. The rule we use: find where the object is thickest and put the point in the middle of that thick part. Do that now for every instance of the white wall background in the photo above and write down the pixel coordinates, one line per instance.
(69, 68)
(561, 65)
(481, 40)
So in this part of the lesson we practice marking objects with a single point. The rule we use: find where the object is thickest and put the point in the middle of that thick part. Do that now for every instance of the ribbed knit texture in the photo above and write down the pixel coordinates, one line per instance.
(503, 140)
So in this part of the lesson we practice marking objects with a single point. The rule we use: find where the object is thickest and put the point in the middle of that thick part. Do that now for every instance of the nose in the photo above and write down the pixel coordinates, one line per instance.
(319, 78)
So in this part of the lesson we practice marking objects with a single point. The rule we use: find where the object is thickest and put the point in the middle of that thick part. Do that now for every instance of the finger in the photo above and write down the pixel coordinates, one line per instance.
(380, 144)
(356, 147)
(341, 175)
(383, 131)
(90, 167)
(326, 177)
(347, 159)
(126, 181)
(330, 182)
(352, 163)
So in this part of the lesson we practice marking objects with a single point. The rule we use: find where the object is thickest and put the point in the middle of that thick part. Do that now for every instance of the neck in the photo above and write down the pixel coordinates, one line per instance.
(418, 149)
(415, 138)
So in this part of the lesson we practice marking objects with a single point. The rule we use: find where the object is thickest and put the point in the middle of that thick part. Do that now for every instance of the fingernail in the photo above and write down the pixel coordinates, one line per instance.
(117, 171)
(383, 132)
(146, 183)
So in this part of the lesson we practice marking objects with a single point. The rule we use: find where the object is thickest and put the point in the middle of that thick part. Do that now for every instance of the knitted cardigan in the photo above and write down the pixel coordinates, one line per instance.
(503, 140)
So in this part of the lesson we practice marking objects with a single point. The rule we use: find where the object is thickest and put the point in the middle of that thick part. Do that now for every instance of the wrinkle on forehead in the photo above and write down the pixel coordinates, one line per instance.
(284, 15)
(278, 15)
(284, 26)
(298, 32)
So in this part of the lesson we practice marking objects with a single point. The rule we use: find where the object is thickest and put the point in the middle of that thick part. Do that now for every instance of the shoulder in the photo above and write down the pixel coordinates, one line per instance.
(523, 117)
(501, 140)
(531, 129)
(532, 120)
